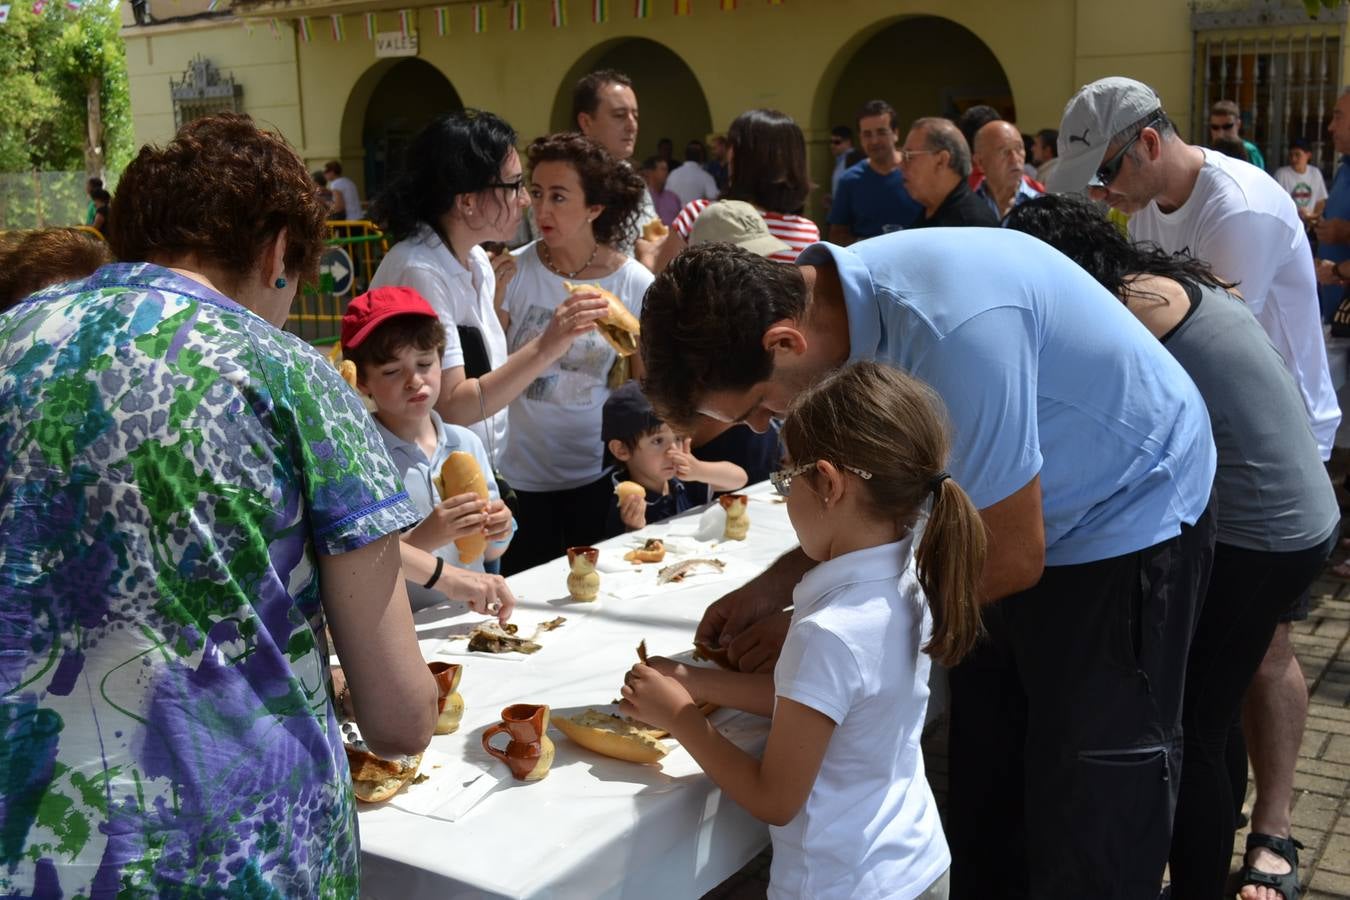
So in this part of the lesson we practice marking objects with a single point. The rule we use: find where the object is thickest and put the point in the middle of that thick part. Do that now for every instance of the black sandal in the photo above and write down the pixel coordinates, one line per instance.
(1287, 848)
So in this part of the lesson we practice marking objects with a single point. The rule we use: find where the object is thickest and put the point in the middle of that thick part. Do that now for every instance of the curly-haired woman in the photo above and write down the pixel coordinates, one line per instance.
(187, 495)
(584, 199)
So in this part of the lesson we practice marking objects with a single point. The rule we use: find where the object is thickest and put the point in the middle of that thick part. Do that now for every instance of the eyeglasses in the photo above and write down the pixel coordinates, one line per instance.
(515, 187)
(907, 155)
(782, 479)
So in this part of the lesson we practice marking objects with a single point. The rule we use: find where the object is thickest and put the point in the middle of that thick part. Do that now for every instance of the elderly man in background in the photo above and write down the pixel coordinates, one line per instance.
(1002, 154)
(936, 163)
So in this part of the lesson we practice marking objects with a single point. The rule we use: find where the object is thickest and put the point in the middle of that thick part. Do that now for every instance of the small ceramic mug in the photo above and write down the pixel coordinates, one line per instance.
(529, 753)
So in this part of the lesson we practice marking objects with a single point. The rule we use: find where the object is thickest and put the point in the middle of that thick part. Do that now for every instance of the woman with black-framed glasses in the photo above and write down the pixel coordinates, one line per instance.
(462, 186)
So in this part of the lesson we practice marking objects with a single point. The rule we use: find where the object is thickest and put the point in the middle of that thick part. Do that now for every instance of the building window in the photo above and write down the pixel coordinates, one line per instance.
(1282, 68)
(203, 92)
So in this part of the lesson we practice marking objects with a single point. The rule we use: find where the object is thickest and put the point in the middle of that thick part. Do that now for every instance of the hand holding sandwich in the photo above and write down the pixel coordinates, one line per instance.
(574, 317)
(497, 521)
(452, 518)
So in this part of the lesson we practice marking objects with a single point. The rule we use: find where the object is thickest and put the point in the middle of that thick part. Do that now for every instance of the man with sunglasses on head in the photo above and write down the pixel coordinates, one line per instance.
(1118, 145)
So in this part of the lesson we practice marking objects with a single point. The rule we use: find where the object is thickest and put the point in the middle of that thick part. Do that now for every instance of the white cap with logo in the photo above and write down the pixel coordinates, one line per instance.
(736, 222)
(1098, 112)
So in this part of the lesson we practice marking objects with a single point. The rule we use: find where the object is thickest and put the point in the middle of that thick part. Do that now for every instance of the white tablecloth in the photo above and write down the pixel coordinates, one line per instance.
(594, 827)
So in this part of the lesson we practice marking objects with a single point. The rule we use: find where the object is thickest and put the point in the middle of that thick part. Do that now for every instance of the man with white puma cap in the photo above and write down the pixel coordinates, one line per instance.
(1117, 144)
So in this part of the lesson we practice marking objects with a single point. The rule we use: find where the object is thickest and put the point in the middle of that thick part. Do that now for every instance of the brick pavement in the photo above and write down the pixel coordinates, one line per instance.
(1321, 813)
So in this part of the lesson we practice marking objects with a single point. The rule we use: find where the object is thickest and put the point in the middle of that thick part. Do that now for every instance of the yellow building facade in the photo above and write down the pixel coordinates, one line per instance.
(310, 69)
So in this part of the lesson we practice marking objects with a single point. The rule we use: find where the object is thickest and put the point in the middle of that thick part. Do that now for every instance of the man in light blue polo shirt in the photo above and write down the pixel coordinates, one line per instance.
(1088, 451)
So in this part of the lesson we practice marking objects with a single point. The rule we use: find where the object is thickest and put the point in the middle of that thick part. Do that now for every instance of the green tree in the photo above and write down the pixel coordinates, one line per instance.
(51, 65)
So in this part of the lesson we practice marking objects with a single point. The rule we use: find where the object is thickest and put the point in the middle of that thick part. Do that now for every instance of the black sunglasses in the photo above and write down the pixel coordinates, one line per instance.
(1108, 170)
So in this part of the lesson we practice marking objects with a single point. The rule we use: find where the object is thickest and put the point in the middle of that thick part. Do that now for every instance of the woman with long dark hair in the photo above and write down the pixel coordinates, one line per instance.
(462, 186)
(1276, 512)
(766, 161)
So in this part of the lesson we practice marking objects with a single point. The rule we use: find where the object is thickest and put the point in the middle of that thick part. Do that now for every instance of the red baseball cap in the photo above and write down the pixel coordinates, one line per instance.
(376, 305)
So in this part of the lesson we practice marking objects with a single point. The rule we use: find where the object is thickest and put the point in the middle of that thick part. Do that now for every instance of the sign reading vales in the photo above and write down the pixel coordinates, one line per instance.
(395, 43)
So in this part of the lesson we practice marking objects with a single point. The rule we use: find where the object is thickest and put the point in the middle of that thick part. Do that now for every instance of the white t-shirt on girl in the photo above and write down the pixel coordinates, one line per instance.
(460, 296)
(555, 424)
(870, 827)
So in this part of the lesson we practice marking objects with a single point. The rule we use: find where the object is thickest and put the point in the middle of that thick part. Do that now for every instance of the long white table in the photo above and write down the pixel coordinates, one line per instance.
(595, 827)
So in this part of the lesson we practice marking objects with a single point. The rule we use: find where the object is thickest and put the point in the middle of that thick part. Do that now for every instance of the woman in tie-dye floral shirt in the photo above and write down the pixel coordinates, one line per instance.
(185, 492)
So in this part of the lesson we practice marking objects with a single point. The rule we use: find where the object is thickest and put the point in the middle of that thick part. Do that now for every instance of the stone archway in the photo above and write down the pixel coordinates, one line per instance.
(922, 66)
(389, 104)
(670, 99)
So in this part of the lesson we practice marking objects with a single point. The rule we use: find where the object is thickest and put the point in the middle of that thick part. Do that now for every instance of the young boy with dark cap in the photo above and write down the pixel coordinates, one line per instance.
(395, 340)
(648, 453)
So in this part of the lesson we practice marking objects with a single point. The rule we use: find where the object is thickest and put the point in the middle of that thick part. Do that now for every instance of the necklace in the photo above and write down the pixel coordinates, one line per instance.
(548, 261)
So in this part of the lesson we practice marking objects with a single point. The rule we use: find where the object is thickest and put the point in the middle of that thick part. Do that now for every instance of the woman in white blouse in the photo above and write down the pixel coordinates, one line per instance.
(461, 186)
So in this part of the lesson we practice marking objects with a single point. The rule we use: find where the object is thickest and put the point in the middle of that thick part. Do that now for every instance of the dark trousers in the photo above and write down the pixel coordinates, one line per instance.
(1066, 728)
(548, 522)
(1249, 591)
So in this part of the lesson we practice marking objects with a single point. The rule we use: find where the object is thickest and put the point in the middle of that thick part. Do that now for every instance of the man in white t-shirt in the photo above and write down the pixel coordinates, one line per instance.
(346, 199)
(691, 181)
(1303, 182)
(1116, 142)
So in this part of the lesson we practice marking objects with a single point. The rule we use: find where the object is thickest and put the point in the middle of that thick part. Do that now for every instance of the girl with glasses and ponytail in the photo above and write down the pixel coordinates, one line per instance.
(900, 549)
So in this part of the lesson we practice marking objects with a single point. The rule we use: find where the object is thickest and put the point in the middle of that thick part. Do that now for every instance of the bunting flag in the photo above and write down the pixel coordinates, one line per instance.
(559, 13)
(248, 26)
(211, 5)
(599, 11)
(371, 25)
(74, 5)
(305, 34)
(275, 25)
(517, 15)
(442, 21)
(479, 19)
(338, 31)
(39, 6)
(681, 7)
(641, 9)
(4, 13)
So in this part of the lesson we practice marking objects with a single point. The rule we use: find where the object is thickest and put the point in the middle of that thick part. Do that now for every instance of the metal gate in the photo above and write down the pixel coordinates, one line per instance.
(316, 311)
(1281, 68)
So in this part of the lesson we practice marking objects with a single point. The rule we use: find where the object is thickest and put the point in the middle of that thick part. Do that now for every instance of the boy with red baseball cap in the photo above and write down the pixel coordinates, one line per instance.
(396, 340)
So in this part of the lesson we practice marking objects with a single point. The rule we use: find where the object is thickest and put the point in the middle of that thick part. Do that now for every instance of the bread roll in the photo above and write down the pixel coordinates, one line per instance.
(654, 230)
(348, 372)
(375, 779)
(620, 327)
(624, 488)
(614, 736)
(461, 474)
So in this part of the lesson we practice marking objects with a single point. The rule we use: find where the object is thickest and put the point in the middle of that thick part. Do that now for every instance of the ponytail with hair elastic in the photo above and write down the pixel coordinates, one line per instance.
(950, 561)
